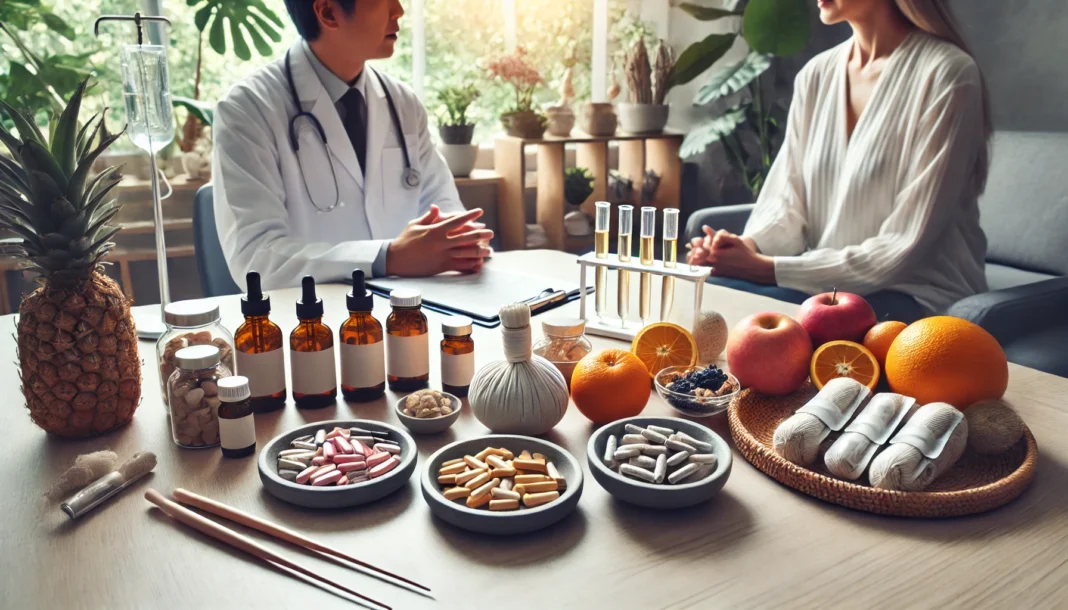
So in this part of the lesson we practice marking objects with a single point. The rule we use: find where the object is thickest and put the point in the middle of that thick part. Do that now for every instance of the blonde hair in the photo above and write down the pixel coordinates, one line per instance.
(936, 18)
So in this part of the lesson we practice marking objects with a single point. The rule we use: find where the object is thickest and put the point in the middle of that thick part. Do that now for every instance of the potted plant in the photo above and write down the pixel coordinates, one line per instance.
(648, 87)
(514, 69)
(456, 130)
(578, 186)
(599, 118)
(561, 117)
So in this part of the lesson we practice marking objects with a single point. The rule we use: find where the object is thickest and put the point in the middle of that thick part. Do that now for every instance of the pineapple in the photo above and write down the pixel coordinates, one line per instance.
(77, 345)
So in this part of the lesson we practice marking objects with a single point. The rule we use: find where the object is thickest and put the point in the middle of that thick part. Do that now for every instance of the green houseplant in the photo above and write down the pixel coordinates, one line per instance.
(578, 186)
(515, 69)
(454, 126)
(771, 28)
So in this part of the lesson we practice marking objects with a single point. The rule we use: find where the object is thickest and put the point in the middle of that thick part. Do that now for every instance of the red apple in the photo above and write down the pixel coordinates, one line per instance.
(834, 316)
(770, 353)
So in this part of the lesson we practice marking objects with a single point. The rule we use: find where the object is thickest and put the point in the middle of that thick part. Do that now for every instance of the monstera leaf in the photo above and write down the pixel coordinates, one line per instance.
(734, 78)
(245, 19)
(776, 27)
(711, 131)
(708, 13)
(699, 57)
(203, 111)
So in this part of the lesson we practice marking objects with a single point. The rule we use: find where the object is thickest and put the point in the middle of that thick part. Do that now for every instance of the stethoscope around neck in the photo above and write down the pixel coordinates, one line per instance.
(410, 177)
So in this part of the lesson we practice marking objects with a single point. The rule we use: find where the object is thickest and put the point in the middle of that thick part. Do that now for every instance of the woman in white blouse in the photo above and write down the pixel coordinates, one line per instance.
(875, 188)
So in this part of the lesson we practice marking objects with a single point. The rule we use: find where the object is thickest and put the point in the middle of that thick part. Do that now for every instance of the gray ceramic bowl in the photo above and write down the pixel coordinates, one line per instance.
(431, 425)
(663, 496)
(513, 522)
(336, 497)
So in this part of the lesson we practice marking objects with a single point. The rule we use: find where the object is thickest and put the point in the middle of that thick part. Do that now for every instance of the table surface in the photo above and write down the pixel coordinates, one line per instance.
(757, 545)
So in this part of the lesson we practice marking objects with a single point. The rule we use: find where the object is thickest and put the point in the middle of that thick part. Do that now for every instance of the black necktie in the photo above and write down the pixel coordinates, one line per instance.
(355, 125)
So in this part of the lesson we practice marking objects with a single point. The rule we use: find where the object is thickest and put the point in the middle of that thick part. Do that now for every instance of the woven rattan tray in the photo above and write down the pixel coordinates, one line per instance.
(975, 484)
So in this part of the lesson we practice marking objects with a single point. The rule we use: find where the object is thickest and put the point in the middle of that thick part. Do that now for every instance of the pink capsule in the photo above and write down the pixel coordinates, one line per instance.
(327, 479)
(344, 480)
(336, 432)
(389, 464)
(359, 479)
(346, 459)
(319, 461)
(344, 446)
(377, 459)
(351, 466)
(328, 450)
(360, 448)
(306, 474)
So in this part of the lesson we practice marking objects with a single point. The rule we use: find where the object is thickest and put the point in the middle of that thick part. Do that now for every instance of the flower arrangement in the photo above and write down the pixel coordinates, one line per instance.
(516, 70)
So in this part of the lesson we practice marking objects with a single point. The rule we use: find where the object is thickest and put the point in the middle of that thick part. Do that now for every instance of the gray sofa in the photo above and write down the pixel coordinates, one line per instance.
(1025, 217)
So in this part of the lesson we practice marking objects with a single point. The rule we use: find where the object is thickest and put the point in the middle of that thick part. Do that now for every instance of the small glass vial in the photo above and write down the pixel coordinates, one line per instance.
(189, 323)
(363, 352)
(260, 350)
(457, 355)
(407, 342)
(237, 425)
(564, 344)
(311, 353)
(193, 389)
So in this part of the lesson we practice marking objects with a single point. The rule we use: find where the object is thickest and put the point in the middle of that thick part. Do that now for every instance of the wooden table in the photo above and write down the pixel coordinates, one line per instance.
(757, 545)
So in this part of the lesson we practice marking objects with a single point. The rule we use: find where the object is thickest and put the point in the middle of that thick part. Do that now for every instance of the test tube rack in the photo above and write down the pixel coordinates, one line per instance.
(626, 330)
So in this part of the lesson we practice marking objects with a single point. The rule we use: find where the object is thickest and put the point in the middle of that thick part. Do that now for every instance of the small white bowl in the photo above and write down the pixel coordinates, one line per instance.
(429, 425)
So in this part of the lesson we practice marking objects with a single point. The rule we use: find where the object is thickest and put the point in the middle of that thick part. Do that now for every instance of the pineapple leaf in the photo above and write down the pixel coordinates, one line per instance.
(85, 135)
(37, 159)
(101, 244)
(13, 144)
(28, 235)
(61, 210)
(75, 189)
(55, 241)
(97, 200)
(101, 220)
(8, 192)
(24, 125)
(12, 174)
(75, 226)
(9, 208)
(64, 138)
(110, 173)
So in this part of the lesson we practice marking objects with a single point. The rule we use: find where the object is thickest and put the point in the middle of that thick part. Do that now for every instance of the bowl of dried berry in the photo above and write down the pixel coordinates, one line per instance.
(697, 391)
(428, 411)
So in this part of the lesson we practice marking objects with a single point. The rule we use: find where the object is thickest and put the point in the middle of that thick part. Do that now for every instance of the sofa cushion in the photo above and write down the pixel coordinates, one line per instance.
(1024, 210)
(999, 277)
(1041, 350)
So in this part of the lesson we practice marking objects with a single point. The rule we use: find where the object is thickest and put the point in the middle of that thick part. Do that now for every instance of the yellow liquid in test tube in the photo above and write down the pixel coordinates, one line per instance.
(645, 291)
(671, 234)
(626, 213)
(600, 250)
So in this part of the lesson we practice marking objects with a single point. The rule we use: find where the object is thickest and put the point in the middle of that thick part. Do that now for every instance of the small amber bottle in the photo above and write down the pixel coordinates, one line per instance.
(260, 351)
(311, 347)
(363, 354)
(457, 355)
(407, 342)
(237, 426)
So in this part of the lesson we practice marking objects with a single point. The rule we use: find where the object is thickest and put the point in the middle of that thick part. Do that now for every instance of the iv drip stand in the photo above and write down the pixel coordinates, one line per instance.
(149, 328)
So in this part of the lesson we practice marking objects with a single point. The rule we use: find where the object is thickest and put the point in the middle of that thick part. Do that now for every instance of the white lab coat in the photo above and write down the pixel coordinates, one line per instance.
(266, 221)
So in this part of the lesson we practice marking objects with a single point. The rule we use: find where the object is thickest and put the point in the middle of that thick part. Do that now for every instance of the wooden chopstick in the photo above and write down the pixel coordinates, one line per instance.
(239, 516)
(210, 528)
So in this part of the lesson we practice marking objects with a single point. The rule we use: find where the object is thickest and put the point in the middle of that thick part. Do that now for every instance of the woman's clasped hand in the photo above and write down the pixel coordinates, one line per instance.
(731, 256)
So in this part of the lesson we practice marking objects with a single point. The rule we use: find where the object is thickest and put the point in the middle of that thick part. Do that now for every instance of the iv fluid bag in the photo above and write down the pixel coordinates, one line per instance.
(147, 92)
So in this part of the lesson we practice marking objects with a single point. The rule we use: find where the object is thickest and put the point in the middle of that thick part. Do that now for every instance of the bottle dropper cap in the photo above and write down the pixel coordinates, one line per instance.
(309, 306)
(360, 299)
(255, 303)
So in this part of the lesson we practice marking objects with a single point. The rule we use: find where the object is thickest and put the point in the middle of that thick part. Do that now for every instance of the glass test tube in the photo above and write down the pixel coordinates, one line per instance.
(600, 249)
(671, 236)
(645, 251)
(626, 228)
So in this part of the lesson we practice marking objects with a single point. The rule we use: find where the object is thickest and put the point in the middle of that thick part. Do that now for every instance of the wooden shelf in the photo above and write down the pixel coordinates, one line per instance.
(479, 176)
(577, 136)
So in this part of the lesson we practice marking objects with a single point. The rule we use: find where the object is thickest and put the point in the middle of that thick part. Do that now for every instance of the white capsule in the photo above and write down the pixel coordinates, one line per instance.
(681, 446)
(633, 439)
(703, 458)
(654, 450)
(637, 473)
(628, 451)
(662, 430)
(632, 429)
(610, 450)
(677, 459)
(699, 445)
(660, 470)
(310, 446)
(296, 453)
(320, 437)
(642, 461)
(682, 473)
(388, 448)
(292, 464)
(653, 436)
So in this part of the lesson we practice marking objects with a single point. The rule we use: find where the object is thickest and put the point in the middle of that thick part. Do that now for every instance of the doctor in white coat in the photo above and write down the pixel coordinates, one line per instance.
(323, 164)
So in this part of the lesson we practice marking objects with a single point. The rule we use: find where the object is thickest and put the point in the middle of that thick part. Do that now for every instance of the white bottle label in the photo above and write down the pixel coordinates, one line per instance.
(457, 370)
(266, 372)
(363, 366)
(408, 356)
(237, 433)
(313, 372)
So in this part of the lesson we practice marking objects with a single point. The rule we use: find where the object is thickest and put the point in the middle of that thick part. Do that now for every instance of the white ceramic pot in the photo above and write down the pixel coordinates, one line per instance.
(460, 158)
(561, 121)
(577, 224)
(643, 118)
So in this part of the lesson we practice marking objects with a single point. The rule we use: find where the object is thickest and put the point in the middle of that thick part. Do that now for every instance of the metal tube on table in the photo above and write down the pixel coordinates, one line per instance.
(623, 250)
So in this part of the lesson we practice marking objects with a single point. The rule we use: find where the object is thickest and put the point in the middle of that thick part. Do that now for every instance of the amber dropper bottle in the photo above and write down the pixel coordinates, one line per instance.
(260, 350)
(363, 353)
(407, 342)
(311, 347)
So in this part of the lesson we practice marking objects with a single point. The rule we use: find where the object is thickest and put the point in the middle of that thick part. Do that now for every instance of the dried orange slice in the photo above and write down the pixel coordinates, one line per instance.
(664, 344)
(844, 359)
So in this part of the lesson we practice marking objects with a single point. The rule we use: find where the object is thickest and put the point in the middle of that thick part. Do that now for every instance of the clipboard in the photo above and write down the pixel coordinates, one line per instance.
(481, 296)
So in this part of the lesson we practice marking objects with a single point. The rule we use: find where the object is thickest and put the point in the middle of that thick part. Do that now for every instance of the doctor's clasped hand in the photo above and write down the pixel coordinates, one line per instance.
(433, 244)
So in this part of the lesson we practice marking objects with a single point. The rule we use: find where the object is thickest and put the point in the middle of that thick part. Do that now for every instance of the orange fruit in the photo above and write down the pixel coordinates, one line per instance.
(664, 344)
(947, 359)
(880, 337)
(610, 384)
(844, 359)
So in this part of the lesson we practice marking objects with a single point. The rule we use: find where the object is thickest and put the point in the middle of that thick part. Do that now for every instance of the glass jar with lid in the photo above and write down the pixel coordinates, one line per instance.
(189, 323)
(564, 344)
(193, 390)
